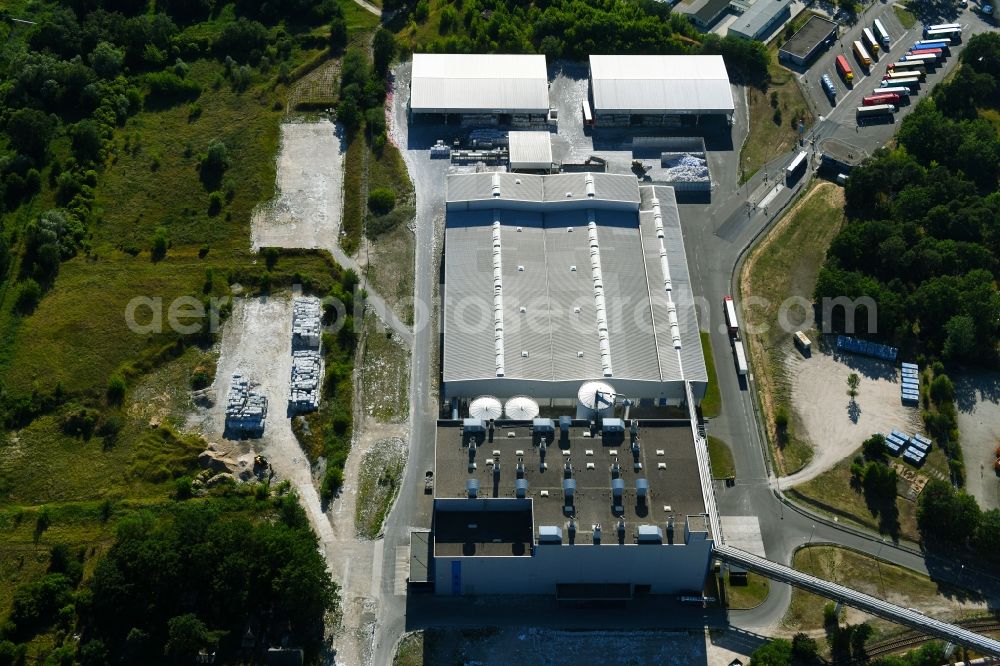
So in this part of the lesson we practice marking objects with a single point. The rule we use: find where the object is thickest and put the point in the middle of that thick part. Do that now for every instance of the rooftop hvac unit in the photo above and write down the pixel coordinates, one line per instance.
(521, 488)
(642, 487)
(617, 487)
(543, 426)
(650, 534)
(473, 425)
(597, 533)
(472, 488)
(569, 488)
(549, 534)
(612, 425)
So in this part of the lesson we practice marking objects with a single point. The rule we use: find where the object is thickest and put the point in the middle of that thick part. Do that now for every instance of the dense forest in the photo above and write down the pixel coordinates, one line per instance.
(575, 29)
(230, 576)
(923, 236)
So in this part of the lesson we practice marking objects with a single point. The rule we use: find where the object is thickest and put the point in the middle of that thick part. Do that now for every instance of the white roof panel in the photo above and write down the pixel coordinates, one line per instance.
(530, 150)
(499, 83)
(661, 84)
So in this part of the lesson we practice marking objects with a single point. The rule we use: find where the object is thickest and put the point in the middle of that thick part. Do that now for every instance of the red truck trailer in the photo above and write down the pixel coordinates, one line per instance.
(844, 69)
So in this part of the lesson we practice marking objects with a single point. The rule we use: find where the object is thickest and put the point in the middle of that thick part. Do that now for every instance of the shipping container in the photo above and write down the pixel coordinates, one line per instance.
(881, 33)
(902, 91)
(729, 309)
(796, 167)
(844, 69)
(829, 88)
(802, 342)
(870, 41)
(588, 117)
(881, 98)
(741, 358)
(875, 111)
(861, 53)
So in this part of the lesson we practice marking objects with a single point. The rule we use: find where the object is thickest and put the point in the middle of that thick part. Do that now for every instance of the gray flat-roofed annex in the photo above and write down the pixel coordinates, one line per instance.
(660, 84)
(548, 330)
(530, 150)
(479, 83)
(760, 20)
(806, 42)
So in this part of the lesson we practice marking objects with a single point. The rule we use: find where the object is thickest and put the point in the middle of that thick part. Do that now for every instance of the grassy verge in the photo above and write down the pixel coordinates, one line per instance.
(774, 115)
(385, 374)
(352, 219)
(831, 493)
(907, 18)
(721, 457)
(390, 250)
(903, 586)
(410, 651)
(380, 476)
(785, 265)
(751, 595)
(711, 405)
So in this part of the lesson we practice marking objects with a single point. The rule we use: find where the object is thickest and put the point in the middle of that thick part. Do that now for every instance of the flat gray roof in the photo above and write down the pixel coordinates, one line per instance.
(530, 150)
(545, 325)
(758, 18)
(673, 489)
(660, 84)
(809, 37)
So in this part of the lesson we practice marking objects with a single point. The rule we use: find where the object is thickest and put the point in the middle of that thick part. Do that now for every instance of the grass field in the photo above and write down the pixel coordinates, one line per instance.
(863, 573)
(743, 597)
(721, 457)
(907, 18)
(385, 374)
(785, 265)
(410, 651)
(773, 113)
(381, 474)
(711, 405)
(831, 493)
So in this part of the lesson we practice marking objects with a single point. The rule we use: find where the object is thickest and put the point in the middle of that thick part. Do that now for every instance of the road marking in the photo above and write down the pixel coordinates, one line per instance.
(402, 570)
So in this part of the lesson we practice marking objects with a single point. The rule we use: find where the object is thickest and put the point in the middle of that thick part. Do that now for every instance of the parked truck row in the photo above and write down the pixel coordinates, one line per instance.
(739, 352)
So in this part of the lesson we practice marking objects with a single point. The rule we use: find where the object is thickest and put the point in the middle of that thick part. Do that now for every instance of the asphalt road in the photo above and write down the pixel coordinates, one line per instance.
(716, 236)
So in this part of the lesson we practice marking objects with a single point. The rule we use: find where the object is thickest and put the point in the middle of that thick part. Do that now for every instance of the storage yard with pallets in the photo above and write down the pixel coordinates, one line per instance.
(246, 410)
(307, 361)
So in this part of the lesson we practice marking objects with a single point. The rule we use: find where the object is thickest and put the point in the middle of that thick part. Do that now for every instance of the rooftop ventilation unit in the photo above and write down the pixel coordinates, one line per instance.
(569, 489)
(617, 489)
(650, 534)
(597, 533)
(590, 186)
(549, 534)
(497, 291)
(472, 488)
(521, 488)
(642, 490)
(496, 185)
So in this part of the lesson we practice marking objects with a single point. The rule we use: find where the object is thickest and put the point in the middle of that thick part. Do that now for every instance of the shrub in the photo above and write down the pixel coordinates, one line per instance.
(215, 201)
(116, 389)
(166, 88)
(381, 200)
(28, 296)
(160, 244)
(333, 479)
(182, 488)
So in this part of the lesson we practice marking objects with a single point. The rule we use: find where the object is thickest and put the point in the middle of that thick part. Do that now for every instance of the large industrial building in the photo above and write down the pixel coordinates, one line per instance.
(554, 281)
(761, 19)
(658, 89)
(481, 88)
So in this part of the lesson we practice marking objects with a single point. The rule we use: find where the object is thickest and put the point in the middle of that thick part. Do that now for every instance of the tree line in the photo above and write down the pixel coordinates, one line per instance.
(575, 29)
(923, 231)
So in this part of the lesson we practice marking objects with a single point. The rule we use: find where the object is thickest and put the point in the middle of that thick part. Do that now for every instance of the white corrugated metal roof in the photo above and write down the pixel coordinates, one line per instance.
(530, 150)
(454, 83)
(661, 84)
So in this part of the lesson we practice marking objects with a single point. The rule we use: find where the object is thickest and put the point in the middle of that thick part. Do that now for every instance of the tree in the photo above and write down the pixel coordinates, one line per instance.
(214, 164)
(87, 141)
(873, 448)
(942, 390)
(30, 132)
(188, 635)
(960, 345)
(853, 381)
(945, 515)
(773, 653)
(804, 648)
(29, 293)
(160, 244)
(107, 60)
(383, 50)
(338, 34)
(879, 481)
(988, 535)
(381, 200)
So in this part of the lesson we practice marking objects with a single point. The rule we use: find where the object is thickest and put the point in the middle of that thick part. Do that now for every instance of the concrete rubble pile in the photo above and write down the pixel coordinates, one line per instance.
(307, 362)
(246, 411)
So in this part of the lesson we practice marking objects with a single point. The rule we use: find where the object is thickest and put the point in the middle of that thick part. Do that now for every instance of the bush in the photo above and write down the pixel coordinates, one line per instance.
(182, 488)
(160, 244)
(166, 88)
(381, 200)
(376, 226)
(215, 201)
(333, 479)
(213, 164)
(116, 389)
(28, 296)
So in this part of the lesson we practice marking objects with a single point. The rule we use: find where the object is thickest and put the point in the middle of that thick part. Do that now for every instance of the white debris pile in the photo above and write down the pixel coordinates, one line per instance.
(684, 167)
(307, 377)
(306, 323)
(246, 411)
